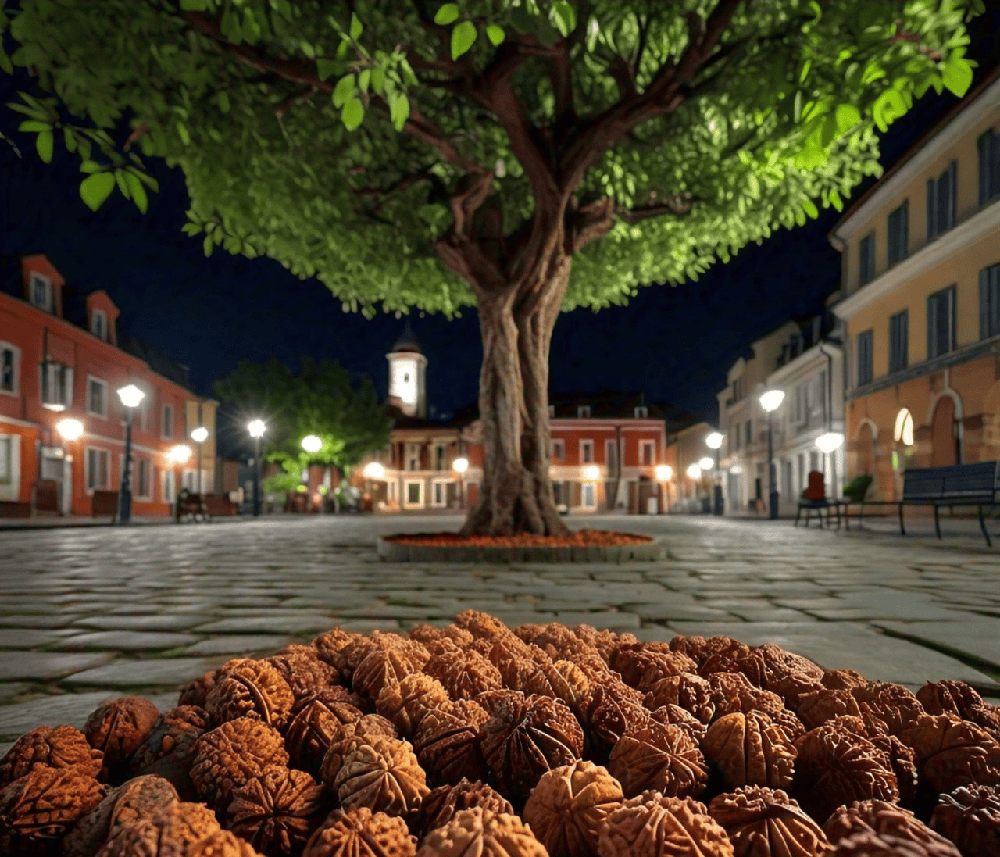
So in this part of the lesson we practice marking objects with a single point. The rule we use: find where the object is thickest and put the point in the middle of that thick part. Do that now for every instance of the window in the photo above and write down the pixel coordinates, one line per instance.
(6, 459)
(99, 324)
(413, 456)
(611, 455)
(57, 386)
(168, 421)
(169, 494)
(865, 374)
(647, 449)
(641, 412)
(899, 229)
(941, 201)
(97, 398)
(866, 259)
(8, 368)
(41, 292)
(414, 491)
(904, 428)
(736, 436)
(941, 322)
(989, 166)
(439, 457)
(583, 411)
(143, 480)
(588, 495)
(97, 464)
(437, 494)
(898, 341)
(989, 302)
(559, 449)
(587, 451)
(748, 434)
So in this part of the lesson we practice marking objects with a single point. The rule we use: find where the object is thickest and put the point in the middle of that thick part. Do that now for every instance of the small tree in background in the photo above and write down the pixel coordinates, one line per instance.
(524, 156)
(320, 400)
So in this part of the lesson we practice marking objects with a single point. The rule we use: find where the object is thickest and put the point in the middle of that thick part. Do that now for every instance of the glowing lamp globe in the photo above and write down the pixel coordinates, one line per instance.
(311, 443)
(130, 395)
(460, 465)
(256, 428)
(663, 472)
(705, 463)
(374, 470)
(714, 440)
(180, 453)
(200, 434)
(830, 441)
(694, 471)
(69, 428)
(770, 400)
(591, 472)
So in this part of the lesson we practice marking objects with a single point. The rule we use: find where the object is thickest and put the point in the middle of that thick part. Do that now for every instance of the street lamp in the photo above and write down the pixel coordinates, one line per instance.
(829, 443)
(69, 430)
(461, 465)
(770, 401)
(199, 436)
(130, 396)
(256, 429)
(714, 441)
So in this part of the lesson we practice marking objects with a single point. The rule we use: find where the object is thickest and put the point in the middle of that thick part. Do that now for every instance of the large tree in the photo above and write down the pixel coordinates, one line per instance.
(319, 399)
(523, 156)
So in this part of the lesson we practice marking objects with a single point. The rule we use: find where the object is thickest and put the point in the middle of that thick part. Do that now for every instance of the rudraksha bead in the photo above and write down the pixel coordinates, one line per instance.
(970, 817)
(118, 728)
(447, 742)
(660, 757)
(664, 827)
(883, 819)
(480, 832)
(763, 822)
(441, 804)
(361, 833)
(750, 750)
(49, 747)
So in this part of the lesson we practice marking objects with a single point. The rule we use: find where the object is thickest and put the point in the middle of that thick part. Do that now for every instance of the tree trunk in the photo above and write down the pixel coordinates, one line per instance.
(516, 326)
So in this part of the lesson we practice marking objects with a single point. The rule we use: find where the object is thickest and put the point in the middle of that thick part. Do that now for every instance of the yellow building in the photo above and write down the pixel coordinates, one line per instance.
(920, 296)
(200, 413)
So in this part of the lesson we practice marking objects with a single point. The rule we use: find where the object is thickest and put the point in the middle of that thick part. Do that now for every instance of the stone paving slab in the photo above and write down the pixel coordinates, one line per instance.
(239, 644)
(21, 638)
(163, 672)
(274, 624)
(125, 640)
(47, 665)
(980, 638)
(163, 622)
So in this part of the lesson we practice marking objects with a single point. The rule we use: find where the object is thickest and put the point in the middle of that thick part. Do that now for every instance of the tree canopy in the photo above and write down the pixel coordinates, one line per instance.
(320, 399)
(724, 121)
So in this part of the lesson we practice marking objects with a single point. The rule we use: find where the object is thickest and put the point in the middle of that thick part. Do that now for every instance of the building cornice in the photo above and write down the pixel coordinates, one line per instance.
(917, 163)
(813, 358)
(952, 242)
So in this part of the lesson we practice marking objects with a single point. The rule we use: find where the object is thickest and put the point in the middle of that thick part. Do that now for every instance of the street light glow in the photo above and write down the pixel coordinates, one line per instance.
(591, 473)
(256, 428)
(69, 428)
(179, 453)
(130, 395)
(714, 440)
(694, 471)
(311, 443)
(663, 472)
(770, 400)
(830, 441)
(705, 463)
(374, 470)
(460, 465)
(199, 435)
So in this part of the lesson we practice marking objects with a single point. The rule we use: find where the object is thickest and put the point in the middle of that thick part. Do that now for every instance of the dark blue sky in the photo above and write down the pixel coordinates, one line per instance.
(674, 343)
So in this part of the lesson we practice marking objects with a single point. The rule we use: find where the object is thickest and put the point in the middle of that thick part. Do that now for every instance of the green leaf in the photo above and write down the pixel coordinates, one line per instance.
(122, 182)
(378, 81)
(182, 132)
(223, 101)
(69, 139)
(810, 208)
(399, 109)
(565, 17)
(847, 117)
(138, 192)
(353, 113)
(324, 68)
(356, 27)
(34, 125)
(96, 188)
(343, 90)
(193, 5)
(446, 14)
(957, 74)
(363, 78)
(6, 66)
(190, 229)
(89, 166)
(462, 38)
(43, 142)
(495, 34)
(206, 245)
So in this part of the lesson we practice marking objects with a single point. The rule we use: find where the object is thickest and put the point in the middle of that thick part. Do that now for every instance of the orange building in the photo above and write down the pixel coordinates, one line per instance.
(60, 359)
(920, 296)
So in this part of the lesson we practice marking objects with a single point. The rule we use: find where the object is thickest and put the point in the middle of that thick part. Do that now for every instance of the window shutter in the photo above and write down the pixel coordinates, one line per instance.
(932, 326)
(904, 336)
(984, 145)
(984, 303)
(952, 194)
(931, 209)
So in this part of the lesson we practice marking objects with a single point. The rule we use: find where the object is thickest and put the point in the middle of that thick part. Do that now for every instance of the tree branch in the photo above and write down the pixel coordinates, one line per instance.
(590, 221)
(678, 204)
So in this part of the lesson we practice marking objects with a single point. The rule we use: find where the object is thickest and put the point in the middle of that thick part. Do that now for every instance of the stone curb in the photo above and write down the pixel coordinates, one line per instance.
(646, 552)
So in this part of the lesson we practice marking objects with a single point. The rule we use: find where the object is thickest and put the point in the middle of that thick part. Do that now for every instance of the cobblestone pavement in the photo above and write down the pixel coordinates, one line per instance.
(90, 613)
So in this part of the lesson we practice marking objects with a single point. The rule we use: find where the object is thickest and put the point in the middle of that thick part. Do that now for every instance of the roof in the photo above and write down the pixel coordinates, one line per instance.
(407, 341)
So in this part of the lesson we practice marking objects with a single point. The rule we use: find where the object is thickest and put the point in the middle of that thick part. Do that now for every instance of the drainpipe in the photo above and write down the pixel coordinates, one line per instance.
(829, 414)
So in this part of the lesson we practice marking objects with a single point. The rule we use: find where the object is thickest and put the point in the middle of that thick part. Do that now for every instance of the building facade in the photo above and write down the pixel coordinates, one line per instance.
(60, 359)
(920, 298)
(803, 359)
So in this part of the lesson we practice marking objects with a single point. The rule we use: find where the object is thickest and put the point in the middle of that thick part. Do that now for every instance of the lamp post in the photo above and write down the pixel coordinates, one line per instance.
(663, 472)
(199, 436)
(178, 455)
(69, 430)
(461, 465)
(256, 429)
(130, 396)
(770, 401)
(714, 441)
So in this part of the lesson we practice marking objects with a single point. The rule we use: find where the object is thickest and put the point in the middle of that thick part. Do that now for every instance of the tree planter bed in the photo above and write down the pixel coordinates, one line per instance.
(542, 740)
(581, 546)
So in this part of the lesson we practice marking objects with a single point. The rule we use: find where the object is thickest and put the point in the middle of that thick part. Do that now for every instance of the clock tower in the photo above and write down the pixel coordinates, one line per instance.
(407, 375)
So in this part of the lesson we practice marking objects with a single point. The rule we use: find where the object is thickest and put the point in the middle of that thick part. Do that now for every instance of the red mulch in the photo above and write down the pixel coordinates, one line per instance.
(577, 539)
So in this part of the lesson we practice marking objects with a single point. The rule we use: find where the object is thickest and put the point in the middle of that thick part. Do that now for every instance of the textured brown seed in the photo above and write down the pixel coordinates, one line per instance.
(607, 712)
(883, 819)
(249, 688)
(50, 747)
(749, 749)
(465, 675)
(670, 826)
(315, 725)
(361, 833)
(951, 752)
(868, 844)
(568, 807)
(660, 757)
(440, 806)
(406, 702)
(691, 692)
(385, 666)
(117, 728)
(480, 833)
(39, 808)
(304, 671)
(893, 704)
(763, 822)
(382, 774)
(171, 831)
(970, 817)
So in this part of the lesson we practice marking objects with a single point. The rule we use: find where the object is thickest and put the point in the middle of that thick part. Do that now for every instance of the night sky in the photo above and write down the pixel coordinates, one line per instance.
(676, 344)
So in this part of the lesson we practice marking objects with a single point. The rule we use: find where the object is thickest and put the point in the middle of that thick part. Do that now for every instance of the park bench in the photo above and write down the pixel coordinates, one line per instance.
(191, 507)
(976, 484)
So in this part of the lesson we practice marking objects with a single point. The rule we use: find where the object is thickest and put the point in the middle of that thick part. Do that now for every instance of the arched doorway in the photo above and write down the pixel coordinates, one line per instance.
(866, 449)
(944, 435)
